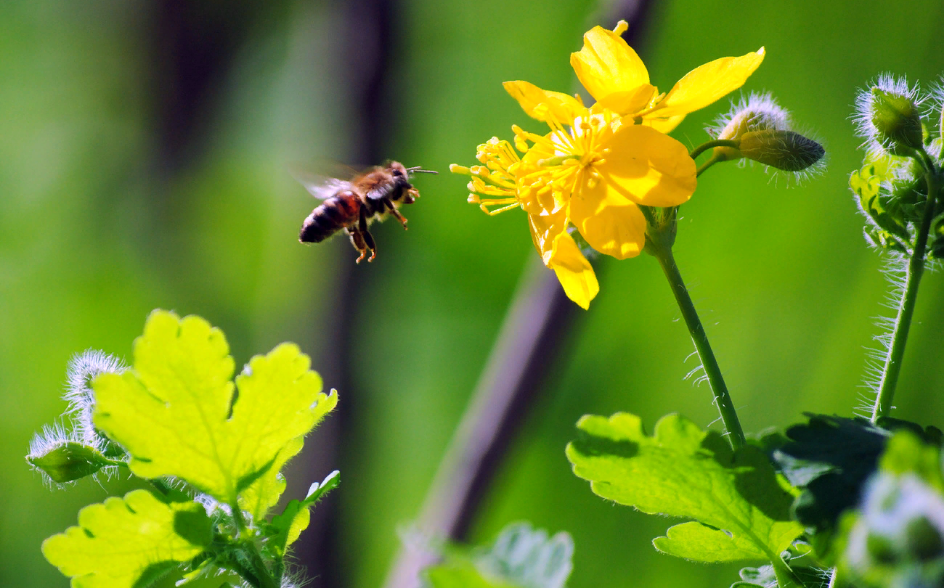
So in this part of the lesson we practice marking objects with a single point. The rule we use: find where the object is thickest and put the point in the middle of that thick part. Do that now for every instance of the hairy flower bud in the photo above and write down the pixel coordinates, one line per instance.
(759, 112)
(68, 461)
(785, 150)
(889, 116)
(896, 120)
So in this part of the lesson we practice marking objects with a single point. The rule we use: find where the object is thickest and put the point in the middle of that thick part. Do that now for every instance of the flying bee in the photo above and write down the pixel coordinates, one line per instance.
(352, 205)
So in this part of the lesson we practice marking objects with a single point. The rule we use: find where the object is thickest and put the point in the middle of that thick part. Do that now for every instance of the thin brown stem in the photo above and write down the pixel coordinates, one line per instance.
(525, 347)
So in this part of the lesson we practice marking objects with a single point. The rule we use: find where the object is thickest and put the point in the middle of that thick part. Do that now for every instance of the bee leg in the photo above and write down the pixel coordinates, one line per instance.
(371, 244)
(357, 239)
(395, 212)
(365, 235)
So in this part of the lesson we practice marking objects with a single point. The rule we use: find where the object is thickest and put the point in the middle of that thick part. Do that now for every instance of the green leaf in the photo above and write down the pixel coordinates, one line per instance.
(462, 575)
(177, 415)
(830, 457)
(520, 557)
(296, 516)
(908, 454)
(697, 542)
(741, 511)
(68, 461)
(130, 542)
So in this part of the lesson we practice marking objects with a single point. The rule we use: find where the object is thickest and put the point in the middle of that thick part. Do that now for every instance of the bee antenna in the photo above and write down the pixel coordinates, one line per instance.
(419, 170)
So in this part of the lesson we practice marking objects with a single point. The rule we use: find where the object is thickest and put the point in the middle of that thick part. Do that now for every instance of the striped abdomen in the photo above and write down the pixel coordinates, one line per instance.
(334, 214)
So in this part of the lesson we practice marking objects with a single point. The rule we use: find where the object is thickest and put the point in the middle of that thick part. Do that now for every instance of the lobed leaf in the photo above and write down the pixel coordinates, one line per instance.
(297, 514)
(130, 542)
(520, 557)
(177, 412)
(742, 513)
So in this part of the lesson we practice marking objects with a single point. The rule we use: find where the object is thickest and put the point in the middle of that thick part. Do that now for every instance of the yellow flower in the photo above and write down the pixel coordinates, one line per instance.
(598, 164)
(615, 76)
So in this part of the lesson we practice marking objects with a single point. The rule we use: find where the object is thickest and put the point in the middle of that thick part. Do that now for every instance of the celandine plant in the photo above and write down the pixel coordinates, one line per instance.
(211, 447)
(833, 501)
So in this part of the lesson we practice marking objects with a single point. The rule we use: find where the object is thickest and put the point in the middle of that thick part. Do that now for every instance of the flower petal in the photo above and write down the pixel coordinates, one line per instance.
(544, 232)
(540, 190)
(542, 104)
(644, 166)
(708, 83)
(574, 271)
(610, 225)
(607, 65)
(624, 103)
(663, 125)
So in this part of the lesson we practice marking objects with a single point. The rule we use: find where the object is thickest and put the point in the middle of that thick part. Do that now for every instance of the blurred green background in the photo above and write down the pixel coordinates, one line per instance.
(144, 149)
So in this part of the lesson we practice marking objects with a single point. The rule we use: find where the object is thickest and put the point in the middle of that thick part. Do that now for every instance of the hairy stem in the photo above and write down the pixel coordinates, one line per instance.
(263, 577)
(896, 351)
(722, 399)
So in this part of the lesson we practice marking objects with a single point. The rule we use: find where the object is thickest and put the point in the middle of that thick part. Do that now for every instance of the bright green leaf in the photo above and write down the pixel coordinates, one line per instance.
(697, 542)
(125, 543)
(174, 411)
(297, 514)
(683, 471)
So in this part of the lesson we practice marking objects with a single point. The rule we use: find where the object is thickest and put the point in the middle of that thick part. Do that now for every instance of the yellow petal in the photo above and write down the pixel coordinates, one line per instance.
(574, 271)
(537, 192)
(607, 65)
(624, 103)
(644, 166)
(544, 232)
(542, 104)
(612, 226)
(708, 83)
(663, 125)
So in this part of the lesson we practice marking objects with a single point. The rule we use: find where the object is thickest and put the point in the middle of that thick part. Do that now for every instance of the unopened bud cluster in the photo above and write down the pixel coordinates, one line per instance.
(889, 116)
(761, 131)
(904, 144)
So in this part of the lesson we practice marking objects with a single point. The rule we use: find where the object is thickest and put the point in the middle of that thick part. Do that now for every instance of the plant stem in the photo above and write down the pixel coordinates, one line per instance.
(896, 351)
(712, 144)
(715, 158)
(262, 574)
(700, 338)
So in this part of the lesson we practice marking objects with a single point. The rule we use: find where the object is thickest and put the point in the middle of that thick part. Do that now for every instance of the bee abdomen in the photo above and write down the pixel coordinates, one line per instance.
(323, 222)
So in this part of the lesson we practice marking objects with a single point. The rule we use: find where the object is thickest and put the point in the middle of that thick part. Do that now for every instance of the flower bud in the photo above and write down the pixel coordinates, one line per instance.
(785, 150)
(67, 461)
(896, 120)
(759, 112)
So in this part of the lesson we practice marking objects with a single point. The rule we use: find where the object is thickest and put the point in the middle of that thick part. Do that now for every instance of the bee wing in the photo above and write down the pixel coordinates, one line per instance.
(381, 191)
(321, 187)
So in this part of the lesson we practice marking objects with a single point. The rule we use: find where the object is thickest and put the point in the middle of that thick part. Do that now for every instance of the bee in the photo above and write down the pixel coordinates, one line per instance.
(352, 205)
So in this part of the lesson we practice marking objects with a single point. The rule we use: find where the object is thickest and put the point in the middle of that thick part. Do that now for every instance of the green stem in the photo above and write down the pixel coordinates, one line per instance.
(700, 338)
(712, 144)
(715, 158)
(896, 351)
(262, 574)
